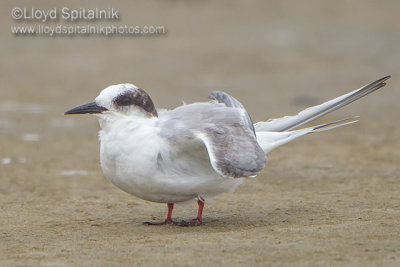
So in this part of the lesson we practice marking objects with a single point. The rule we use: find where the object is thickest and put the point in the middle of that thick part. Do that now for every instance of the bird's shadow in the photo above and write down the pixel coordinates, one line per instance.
(221, 223)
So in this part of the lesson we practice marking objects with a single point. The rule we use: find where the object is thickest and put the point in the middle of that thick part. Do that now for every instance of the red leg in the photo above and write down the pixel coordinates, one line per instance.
(200, 202)
(198, 220)
(169, 217)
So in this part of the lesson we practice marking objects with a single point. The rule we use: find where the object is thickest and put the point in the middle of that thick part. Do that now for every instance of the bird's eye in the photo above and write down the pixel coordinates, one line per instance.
(138, 98)
(126, 99)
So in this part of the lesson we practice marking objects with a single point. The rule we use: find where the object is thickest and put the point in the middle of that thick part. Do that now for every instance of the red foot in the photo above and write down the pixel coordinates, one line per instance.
(160, 223)
(194, 222)
(169, 217)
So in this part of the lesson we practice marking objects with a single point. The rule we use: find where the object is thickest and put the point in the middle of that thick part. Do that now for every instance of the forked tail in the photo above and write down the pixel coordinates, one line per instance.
(276, 132)
(271, 140)
(310, 114)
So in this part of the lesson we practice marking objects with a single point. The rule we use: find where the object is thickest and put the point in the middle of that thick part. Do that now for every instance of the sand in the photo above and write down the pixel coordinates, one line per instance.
(325, 199)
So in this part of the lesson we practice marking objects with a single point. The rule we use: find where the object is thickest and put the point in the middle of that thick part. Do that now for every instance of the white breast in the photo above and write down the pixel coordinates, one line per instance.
(137, 160)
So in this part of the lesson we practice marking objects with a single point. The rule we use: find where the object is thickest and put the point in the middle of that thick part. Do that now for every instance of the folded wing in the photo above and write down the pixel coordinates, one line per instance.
(230, 101)
(231, 145)
(233, 150)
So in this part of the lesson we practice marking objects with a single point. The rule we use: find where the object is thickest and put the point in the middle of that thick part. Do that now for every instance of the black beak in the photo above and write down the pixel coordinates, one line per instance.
(90, 108)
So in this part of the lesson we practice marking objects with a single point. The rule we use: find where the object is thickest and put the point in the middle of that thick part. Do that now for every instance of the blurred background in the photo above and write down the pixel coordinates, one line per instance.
(276, 57)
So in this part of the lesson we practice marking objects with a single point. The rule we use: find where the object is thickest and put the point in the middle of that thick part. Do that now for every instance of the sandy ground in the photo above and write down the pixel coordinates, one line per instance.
(326, 199)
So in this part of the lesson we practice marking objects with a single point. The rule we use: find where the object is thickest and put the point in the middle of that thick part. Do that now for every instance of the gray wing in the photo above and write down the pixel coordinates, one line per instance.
(232, 148)
(230, 101)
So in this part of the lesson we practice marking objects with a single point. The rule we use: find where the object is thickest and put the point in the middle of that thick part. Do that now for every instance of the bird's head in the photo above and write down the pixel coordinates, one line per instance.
(121, 98)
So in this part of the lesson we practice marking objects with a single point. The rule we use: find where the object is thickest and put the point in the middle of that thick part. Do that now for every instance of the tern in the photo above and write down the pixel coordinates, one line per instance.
(195, 151)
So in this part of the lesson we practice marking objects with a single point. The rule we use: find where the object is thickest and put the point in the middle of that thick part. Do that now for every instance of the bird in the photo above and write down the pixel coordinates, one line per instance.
(195, 151)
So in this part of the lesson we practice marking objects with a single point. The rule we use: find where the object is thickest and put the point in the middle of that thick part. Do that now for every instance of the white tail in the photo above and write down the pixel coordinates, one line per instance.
(271, 140)
(276, 132)
(310, 114)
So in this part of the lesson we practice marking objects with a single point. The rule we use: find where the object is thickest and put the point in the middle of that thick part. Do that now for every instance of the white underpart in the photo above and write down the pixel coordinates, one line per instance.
(130, 154)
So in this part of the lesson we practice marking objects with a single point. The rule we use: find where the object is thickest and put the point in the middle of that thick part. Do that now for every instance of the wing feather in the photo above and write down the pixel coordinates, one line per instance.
(230, 101)
(231, 145)
(233, 150)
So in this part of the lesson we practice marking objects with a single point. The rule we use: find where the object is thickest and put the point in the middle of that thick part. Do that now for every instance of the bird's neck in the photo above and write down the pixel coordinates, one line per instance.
(111, 119)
